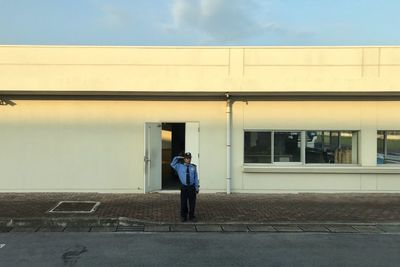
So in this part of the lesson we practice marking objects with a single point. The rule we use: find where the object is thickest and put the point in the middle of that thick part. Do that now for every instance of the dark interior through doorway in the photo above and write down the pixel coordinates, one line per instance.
(173, 144)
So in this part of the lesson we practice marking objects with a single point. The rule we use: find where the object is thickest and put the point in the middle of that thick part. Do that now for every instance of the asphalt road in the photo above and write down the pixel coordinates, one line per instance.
(198, 249)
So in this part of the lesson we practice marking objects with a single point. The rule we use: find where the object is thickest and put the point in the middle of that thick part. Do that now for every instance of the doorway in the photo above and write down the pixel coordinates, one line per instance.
(173, 144)
(163, 141)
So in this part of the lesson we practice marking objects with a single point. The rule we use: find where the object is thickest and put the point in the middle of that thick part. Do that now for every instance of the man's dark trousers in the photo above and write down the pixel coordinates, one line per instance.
(188, 193)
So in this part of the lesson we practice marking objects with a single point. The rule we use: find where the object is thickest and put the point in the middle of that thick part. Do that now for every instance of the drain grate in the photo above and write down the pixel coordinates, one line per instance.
(75, 207)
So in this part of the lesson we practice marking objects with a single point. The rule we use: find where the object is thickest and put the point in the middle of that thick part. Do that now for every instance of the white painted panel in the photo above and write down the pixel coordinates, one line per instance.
(97, 146)
(302, 182)
(152, 156)
(192, 141)
(388, 182)
(368, 182)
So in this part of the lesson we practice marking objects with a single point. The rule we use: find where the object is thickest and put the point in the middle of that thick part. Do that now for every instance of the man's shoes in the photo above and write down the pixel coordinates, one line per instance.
(193, 219)
(183, 219)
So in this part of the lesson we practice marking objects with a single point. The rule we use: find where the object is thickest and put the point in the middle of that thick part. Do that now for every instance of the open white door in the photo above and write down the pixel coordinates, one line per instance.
(152, 156)
(192, 145)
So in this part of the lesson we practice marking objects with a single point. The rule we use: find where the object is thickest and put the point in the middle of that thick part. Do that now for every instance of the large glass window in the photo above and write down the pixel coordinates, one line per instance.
(269, 147)
(339, 147)
(287, 146)
(257, 147)
(314, 147)
(388, 147)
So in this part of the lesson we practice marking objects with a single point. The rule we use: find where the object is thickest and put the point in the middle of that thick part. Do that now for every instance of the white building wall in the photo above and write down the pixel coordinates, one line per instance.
(93, 145)
(88, 145)
(71, 145)
(364, 116)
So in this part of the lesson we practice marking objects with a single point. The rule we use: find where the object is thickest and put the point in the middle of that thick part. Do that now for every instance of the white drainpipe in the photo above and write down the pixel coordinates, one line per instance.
(228, 143)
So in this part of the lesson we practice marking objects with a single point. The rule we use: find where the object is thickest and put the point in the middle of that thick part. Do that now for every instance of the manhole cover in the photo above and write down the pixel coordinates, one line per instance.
(75, 207)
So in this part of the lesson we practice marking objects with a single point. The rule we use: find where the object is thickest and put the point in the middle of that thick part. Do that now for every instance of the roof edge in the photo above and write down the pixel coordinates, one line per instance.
(197, 93)
(202, 47)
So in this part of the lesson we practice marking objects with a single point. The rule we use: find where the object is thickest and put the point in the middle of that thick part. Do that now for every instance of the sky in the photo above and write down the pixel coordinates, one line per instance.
(200, 22)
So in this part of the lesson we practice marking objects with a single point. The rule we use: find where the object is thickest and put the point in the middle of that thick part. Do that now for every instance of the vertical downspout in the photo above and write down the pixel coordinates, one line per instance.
(228, 143)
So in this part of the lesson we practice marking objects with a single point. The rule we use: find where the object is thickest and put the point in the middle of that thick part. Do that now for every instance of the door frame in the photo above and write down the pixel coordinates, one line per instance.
(147, 156)
(145, 161)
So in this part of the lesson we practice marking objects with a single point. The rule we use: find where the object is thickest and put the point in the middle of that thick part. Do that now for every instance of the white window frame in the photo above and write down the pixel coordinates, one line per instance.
(303, 143)
(385, 148)
(293, 163)
(353, 146)
(273, 163)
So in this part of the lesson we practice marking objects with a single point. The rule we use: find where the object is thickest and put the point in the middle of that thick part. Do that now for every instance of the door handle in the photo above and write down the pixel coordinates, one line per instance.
(146, 159)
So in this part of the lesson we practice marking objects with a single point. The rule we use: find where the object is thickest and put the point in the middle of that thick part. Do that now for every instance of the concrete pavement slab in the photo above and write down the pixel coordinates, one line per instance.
(313, 228)
(341, 229)
(208, 228)
(51, 229)
(27, 222)
(24, 229)
(130, 228)
(77, 229)
(156, 228)
(183, 228)
(390, 228)
(370, 229)
(108, 222)
(235, 228)
(261, 228)
(73, 221)
(103, 229)
(287, 228)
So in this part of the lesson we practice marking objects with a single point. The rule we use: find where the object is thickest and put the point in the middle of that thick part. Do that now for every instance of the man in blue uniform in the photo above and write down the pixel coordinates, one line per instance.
(187, 173)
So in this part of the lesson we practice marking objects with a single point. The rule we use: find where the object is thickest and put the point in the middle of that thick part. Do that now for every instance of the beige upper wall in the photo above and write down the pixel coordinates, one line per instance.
(205, 69)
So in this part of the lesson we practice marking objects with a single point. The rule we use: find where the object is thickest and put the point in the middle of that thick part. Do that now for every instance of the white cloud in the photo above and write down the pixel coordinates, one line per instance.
(226, 21)
(221, 20)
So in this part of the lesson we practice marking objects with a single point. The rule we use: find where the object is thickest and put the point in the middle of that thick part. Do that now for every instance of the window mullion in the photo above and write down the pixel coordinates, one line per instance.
(303, 144)
(272, 147)
(385, 143)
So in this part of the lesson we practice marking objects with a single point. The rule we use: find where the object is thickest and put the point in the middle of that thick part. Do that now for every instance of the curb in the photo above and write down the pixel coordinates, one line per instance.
(124, 221)
(123, 224)
(59, 222)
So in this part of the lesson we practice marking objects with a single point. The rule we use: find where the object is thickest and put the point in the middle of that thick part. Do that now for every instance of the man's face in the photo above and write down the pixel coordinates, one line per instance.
(187, 160)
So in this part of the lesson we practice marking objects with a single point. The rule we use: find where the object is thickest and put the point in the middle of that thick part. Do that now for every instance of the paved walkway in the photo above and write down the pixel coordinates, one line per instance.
(215, 212)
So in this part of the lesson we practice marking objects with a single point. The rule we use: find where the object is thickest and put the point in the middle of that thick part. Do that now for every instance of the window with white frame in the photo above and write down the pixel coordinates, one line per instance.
(271, 146)
(257, 147)
(301, 147)
(388, 147)
(332, 147)
(287, 146)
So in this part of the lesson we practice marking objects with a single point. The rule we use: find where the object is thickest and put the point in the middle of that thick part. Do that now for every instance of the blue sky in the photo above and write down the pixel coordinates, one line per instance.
(200, 22)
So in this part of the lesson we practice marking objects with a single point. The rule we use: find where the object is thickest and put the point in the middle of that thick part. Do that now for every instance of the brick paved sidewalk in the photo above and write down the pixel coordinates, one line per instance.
(214, 208)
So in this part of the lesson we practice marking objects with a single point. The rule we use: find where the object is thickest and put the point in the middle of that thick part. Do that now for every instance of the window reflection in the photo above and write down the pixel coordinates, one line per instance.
(339, 147)
(287, 146)
(388, 147)
(257, 147)
(319, 147)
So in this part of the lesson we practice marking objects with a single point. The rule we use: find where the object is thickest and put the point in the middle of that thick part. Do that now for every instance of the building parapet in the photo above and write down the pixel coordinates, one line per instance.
(205, 70)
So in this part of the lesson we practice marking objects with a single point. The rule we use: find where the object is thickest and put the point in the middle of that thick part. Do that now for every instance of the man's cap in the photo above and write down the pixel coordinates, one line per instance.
(187, 155)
